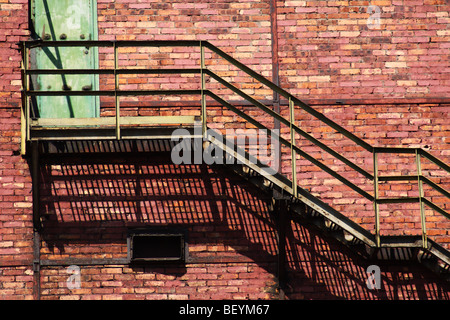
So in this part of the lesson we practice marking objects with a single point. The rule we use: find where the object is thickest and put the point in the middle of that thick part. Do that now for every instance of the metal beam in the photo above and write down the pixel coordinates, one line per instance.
(436, 208)
(112, 93)
(36, 183)
(435, 160)
(114, 71)
(109, 121)
(399, 200)
(86, 133)
(283, 220)
(275, 68)
(36, 265)
(111, 43)
(435, 186)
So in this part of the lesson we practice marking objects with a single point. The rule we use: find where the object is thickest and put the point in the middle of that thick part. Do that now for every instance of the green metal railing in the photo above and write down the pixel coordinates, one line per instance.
(294, 129)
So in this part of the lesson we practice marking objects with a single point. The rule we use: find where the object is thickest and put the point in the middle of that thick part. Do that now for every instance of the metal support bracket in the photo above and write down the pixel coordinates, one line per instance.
(35, 176)
(282, 216)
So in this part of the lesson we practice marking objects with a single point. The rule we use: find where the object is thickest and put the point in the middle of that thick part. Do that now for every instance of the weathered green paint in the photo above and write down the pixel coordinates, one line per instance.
(61, 20)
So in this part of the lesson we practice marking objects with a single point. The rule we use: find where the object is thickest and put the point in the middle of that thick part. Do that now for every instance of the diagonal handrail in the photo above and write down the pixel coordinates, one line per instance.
(288, 123)
(314, 112)
(288, 96)
(327, 169)
(288, 144)
(374, 150)
(434, 160)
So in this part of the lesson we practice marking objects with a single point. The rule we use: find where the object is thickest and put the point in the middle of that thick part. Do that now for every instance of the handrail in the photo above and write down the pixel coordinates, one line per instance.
(26, 123)
(297, 149)
(314, 112)
(287, 95)
(435, 160)
(349, 135)
(116, 71)
(288, 123)
(35, 93)
(112, 43)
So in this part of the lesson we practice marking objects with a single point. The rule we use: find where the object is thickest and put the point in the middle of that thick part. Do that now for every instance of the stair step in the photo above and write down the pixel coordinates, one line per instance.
(446, 268)
(319, 221)
(393, 253)
(330, 225)
(349, 237)
(261, 182)
(424, 255)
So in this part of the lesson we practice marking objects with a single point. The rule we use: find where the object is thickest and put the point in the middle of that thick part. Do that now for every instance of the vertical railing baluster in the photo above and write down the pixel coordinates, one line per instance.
(293, 152)
(375, 200)
(422, 205)
(116, 87)
(203, 85)
(24, 110)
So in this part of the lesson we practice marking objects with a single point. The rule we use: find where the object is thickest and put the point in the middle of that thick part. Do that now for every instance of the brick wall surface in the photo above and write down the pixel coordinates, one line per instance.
(337, 48)
(392, 80)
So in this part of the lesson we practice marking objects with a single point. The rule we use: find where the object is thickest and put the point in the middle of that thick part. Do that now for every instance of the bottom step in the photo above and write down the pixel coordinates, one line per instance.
(395, 254)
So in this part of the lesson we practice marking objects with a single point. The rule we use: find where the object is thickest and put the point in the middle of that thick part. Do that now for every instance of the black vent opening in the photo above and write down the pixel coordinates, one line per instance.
(156, 246)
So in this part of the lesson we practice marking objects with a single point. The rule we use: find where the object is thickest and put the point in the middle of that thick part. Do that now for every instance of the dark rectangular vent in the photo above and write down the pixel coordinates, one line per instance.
(156, 246)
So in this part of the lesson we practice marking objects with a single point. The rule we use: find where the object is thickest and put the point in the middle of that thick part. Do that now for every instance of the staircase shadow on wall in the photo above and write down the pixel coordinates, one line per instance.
(89, 202)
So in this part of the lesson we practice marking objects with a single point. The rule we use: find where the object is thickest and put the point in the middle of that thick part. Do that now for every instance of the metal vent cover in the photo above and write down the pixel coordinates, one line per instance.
(156, 245)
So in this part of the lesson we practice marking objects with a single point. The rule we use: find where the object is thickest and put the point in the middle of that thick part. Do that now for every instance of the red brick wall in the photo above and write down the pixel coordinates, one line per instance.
(16, 275)
(334, 48)
(326, 49)
(326, 53)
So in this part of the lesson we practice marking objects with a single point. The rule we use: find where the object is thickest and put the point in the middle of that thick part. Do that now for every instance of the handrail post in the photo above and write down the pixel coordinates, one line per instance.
(116, 87)
(375, 200)
(203, 85)
(422, 205)
(24, 110)
(293, 152)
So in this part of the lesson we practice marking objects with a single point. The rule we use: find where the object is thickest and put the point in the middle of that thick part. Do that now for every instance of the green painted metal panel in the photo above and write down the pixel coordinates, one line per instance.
(62, 20)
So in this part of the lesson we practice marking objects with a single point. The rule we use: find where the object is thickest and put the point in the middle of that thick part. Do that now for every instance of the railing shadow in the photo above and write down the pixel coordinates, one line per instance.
(89, 200)
(318, 265)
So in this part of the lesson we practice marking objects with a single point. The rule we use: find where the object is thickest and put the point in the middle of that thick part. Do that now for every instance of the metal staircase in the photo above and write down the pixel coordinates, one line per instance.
(303, 204)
